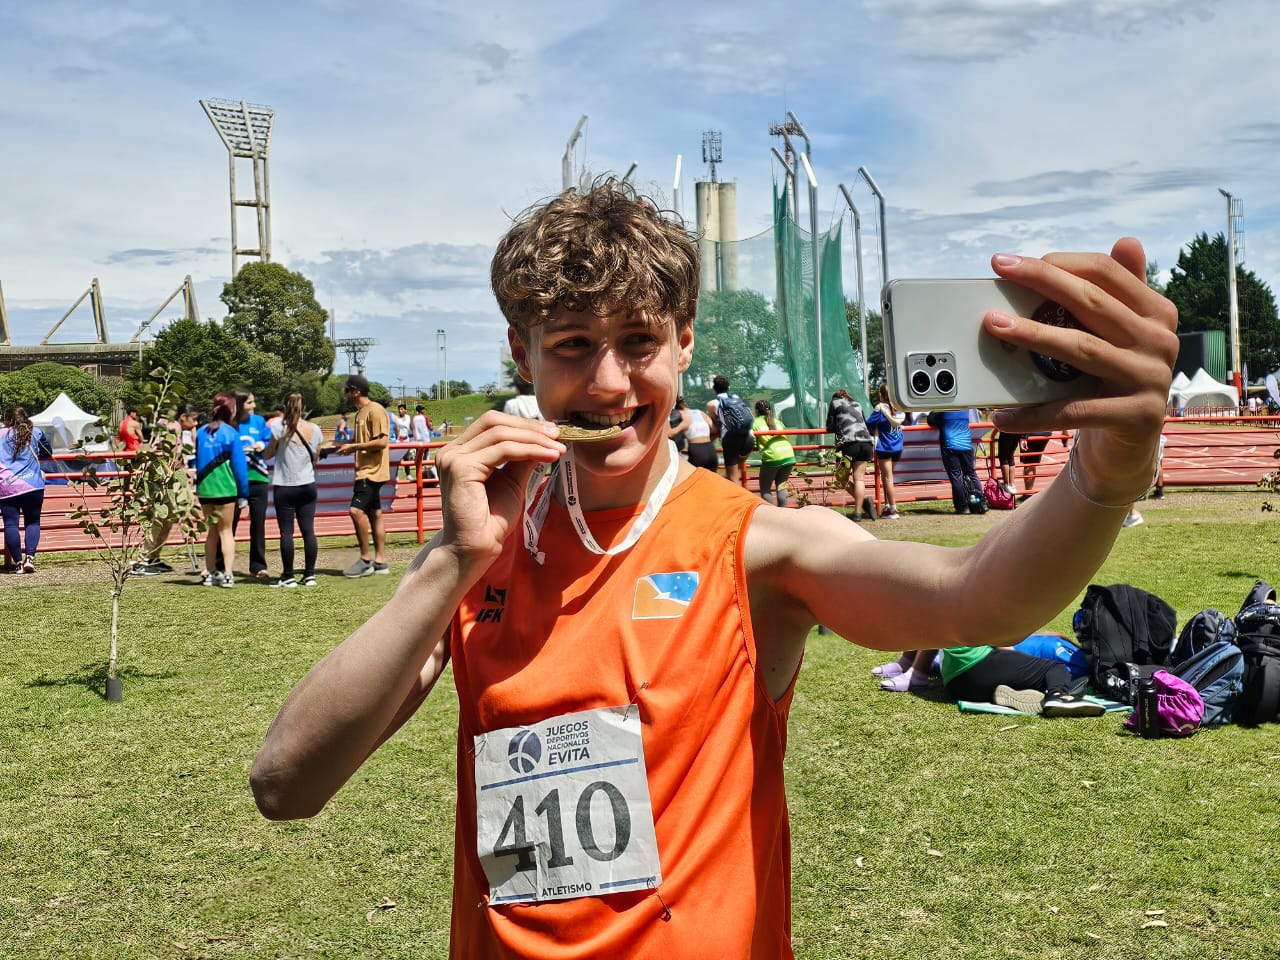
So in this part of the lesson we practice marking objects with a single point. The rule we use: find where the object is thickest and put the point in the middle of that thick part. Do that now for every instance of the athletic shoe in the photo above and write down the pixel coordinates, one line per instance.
(288, 583)
(210, 578)
(1132, 520)
(1066, 705)
(1008, 488)
(1024, 701)
(140, 569)
(1158, 494)
(159, 566)
(29, 565)
(227, 580)
(889, 513)
(381, 568)
(361, 568)
(309, 582)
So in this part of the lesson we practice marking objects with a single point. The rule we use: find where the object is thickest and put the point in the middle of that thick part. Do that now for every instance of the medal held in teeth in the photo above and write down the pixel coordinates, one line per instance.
(572, 433)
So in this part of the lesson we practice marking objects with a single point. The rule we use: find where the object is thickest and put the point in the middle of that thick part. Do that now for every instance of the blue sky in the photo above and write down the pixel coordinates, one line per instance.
(408, 133)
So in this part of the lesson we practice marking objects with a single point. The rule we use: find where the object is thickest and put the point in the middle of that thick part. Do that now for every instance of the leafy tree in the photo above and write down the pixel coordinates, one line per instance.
(213, 359)
(1153, 277)
(156, 488)
(276, 310)
(457, 388)
(37, 386)
(875, 342)
(1198, 287)
(735, 334)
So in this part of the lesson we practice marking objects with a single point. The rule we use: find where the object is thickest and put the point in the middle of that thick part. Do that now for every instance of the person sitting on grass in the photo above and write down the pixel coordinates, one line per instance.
(625, 637)
(1015, 679)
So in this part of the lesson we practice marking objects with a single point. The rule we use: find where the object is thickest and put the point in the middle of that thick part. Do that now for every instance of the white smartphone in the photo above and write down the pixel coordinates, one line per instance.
(937, 356)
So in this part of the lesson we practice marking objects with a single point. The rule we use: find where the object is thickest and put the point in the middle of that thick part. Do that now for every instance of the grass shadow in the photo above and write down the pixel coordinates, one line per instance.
(93, 677)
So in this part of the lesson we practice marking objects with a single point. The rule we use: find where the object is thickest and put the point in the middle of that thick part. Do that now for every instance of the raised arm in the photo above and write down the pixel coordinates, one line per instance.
(365, 688)
(813, 566)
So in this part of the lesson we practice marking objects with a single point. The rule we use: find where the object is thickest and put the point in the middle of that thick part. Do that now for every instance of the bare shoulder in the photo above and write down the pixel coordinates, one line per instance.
(779, 540)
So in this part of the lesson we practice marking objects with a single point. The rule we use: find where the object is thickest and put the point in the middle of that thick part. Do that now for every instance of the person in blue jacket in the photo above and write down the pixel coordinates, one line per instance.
(21, 488)
(255, 435)
(956, 443)
(885, 423)
(222, 484)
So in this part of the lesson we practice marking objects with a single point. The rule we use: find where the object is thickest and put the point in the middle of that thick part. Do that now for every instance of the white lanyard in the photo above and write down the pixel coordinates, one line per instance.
(534, 518)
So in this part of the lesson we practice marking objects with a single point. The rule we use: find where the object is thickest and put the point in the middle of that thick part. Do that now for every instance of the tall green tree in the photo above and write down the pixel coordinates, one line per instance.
(276, 311)
(736, 334)
(212, 359)
(1198, 287)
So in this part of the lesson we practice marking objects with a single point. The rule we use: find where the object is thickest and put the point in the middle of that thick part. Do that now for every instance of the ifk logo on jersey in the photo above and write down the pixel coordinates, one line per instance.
(664, 596)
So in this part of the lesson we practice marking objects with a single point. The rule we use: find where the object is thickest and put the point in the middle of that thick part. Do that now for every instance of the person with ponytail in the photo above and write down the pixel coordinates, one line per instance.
(777, 457)
(295, 444)
(222, 482)
(22, 444)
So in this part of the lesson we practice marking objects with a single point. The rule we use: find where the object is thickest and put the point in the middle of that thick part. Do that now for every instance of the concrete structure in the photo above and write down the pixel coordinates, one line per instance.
(717, 225)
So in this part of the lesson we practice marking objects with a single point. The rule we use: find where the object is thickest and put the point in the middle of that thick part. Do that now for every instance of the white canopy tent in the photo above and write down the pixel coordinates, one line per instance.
(1204, 391)
(64, 423)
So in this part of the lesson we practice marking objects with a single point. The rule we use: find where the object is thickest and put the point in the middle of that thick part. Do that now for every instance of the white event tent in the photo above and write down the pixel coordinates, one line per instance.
(64, 423)
(1202, 391)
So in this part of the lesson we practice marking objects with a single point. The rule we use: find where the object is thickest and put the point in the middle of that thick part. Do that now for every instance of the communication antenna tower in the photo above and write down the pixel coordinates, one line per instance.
(711, 150)
(245, 129)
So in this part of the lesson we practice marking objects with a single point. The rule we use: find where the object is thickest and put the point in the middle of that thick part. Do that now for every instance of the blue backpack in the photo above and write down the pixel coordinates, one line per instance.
(1217, 673)
(735, 416)
(1200, 632)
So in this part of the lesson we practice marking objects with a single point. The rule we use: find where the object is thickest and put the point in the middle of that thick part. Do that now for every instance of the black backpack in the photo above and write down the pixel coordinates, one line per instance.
(1258, 636)
(1119, 625)
(977, 500)
(1203, 630)
(734, 415)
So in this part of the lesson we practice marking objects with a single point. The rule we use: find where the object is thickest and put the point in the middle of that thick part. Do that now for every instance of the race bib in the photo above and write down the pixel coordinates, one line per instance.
(563, 810)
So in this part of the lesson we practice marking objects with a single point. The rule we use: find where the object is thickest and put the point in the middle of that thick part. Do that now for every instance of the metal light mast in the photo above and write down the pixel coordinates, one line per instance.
(245, 130)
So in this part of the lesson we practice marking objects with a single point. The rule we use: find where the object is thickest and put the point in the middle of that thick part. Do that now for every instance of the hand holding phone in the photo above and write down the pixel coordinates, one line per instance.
(939, 357)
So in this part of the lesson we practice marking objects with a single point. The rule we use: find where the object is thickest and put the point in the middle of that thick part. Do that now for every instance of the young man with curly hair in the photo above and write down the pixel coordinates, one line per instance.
(625, 637)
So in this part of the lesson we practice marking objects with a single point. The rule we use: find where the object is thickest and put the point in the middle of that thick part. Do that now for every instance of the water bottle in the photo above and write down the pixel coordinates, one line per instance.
(1148, 722)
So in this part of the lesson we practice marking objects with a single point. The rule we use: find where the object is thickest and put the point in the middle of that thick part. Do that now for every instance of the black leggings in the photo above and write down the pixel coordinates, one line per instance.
(1012, 668)
(704, 455)
(297, 502)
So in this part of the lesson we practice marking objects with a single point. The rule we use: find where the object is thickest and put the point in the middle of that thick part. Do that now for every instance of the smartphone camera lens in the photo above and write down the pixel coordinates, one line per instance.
(945, 381)
(920, 382)
(930, 360)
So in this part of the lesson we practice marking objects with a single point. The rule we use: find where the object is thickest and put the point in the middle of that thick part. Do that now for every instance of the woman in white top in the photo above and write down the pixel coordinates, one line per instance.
(295, 443)
(696, 427)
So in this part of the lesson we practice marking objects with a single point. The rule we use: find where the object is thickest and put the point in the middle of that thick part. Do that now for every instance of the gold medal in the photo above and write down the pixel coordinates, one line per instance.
(571, 433)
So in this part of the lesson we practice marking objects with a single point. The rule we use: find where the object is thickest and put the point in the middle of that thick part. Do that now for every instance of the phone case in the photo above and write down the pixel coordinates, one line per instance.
(933, 338)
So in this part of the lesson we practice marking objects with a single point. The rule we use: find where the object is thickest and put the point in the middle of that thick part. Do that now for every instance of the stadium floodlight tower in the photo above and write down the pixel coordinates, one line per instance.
(245, 129)
(356, 349)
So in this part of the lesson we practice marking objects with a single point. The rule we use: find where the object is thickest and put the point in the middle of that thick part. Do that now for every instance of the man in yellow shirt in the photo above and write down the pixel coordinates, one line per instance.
(373, 469)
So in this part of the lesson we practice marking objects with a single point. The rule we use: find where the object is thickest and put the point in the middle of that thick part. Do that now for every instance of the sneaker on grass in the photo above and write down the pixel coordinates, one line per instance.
(1024, 701)
(1132, 520)
(381, 567)
(288, 583)
(227, 580)
(1067, 705)
(361, 568)
(309, 582)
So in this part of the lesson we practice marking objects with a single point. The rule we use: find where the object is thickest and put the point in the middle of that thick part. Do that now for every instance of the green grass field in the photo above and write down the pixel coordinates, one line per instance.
(128, 831)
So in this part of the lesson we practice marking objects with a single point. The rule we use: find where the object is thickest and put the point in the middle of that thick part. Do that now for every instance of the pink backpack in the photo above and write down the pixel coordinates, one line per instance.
(998, 498)
(1179, 708)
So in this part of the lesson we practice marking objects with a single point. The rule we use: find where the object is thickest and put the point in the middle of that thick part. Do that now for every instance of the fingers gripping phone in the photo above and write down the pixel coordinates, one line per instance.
(937, 355)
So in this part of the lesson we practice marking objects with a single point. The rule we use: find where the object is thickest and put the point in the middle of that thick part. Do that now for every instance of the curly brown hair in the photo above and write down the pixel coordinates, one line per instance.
(603, 250)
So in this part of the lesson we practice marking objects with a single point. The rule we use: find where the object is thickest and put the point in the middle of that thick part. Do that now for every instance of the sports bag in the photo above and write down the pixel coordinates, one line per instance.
(1258, 637)
(1121, 624)
(1179, 709)
(977, 502)
(734, 415)
(1201, 632)
(998, 498)
(1217, 673)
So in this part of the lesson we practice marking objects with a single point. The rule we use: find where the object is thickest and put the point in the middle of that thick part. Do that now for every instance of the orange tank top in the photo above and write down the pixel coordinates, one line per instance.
(583, 631)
